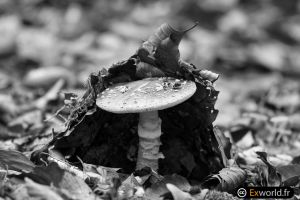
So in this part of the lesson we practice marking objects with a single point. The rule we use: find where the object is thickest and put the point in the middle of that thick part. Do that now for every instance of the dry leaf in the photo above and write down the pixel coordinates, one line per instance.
(177, 193)
(249, 156)
(39, 191)
(161, 50)
(47, 76)
(51, 95)
(273, 177)
(29, 122)
(247, 141)
(159, 188)
(15, 160)
(227, 179)
(126, 190)
(167, 54)
(290, 174)
(222, 143)
(53, 174)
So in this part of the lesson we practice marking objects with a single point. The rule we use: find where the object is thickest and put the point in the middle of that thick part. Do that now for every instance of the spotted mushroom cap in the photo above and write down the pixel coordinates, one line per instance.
(145, 95)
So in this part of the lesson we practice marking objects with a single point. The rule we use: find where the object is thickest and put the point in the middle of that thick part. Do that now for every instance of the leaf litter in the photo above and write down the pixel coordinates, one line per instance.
(257, 143)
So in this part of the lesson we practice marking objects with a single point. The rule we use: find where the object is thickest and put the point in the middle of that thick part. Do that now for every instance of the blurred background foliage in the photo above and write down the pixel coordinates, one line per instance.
(252, 44)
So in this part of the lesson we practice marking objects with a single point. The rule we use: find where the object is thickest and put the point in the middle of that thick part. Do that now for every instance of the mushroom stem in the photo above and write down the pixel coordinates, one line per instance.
(149, 131)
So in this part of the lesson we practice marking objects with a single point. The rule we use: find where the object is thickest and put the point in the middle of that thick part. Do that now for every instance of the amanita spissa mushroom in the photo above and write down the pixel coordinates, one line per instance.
(146, 97)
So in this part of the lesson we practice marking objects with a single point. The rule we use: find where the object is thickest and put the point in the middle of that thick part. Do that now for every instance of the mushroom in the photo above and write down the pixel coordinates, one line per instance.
(146, 97)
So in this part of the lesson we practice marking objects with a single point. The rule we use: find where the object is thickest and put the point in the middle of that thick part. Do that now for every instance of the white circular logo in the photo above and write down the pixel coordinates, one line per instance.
(241, 192)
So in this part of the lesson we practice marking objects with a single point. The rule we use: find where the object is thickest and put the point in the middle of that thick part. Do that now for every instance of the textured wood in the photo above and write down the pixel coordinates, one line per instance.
(145, 95)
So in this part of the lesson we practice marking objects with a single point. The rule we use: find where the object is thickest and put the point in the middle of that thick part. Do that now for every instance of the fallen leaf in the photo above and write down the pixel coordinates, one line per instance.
(108, 172)
(167, 53)
(51, 95)
(249, 156)
(39, 191)
(15, 160)
(247, 141)
(273, 177)
(280, 159)
(27, 122)
(223, 142)
(209, 75)
(126, 189)
(177, 193)
(6, 133)
(290, 174)
(159, 188)
(47, 76)
(62, 179)
(227, 179)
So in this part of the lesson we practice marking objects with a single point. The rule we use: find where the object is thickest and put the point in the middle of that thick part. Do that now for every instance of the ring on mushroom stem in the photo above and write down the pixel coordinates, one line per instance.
(146, 97)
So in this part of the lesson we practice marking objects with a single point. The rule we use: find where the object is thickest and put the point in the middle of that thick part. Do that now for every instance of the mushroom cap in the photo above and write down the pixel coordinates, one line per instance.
(145, 95)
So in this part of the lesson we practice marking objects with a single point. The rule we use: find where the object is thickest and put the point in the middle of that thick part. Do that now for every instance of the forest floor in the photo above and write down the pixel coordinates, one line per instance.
(48, 49)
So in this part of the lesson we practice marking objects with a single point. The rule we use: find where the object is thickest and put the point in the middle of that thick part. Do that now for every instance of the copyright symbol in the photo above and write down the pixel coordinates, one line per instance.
(241, 192)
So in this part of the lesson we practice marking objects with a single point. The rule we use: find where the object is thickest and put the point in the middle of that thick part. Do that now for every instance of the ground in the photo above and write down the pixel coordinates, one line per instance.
(48, 49)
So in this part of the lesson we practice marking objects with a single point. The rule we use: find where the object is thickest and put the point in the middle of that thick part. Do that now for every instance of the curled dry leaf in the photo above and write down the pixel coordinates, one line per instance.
(200, 73)
(164, 31)
(206, 74)
(167, 54)
(161, 48)
(227, 179)
(146, 51)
